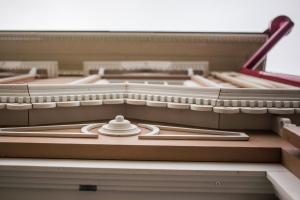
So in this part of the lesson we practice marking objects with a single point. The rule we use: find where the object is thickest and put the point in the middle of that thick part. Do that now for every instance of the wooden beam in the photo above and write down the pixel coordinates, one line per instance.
(205, 82)
(292, 134)
(237, 81)
(88, 79)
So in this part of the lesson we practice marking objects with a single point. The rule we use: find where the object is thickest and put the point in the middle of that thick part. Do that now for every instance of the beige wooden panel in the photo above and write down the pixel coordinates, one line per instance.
(224, 51)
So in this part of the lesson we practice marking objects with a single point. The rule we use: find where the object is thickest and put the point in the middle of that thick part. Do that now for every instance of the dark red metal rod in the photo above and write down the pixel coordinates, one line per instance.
(282, 78)
(279, 27)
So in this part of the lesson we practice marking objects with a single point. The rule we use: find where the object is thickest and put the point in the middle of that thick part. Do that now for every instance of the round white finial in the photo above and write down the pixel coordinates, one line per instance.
(119, 118)
(119, 127)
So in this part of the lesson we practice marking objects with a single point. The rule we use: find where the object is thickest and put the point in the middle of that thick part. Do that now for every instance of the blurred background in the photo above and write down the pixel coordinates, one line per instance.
(161, 15)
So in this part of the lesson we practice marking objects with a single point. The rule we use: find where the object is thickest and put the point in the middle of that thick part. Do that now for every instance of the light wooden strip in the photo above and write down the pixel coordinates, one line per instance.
(37, 131)
(87, 79)
(199, 131)
(236, 81)
(102, 81)
(189, 83)
(264, 82)
(195, 137)
(258, 82)
(36, 128)
(45, 134)
(204, 134)
(30, 75)
(205, 82)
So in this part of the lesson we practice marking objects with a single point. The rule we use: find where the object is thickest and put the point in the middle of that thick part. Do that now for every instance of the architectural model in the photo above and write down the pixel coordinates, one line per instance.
(149, 96)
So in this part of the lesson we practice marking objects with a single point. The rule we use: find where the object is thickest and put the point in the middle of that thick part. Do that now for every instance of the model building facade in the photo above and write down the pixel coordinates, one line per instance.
(150, 96)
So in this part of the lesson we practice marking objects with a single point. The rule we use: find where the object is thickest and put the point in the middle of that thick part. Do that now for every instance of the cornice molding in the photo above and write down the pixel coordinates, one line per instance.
(254, 101)
(134, 36)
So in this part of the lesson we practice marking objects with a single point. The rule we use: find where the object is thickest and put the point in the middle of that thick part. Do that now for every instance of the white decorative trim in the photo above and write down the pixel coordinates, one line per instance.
(223, 101)
(249, 110)
(113, 101)
(94, 91)
(281, 111)
(179, 91)
(279, 122)
(39, 131)
(203, 108)
(68, 104)
(154, 130)
(148, 65)
(87, 129)
(260, 94)
(18, 106)
(9, 92)
(156, 104)
(198, 134)
(51, 67)
(119, 127)
(227, 110)
(178, 105)
(136, 102)
(91, 103)
(43, 105)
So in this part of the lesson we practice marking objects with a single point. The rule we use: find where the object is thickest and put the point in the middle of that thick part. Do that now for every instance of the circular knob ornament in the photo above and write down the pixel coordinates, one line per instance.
(119, 127)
